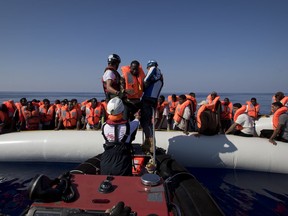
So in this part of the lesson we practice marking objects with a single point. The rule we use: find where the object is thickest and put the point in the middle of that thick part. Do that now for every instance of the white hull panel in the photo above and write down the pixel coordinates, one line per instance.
(219, 151)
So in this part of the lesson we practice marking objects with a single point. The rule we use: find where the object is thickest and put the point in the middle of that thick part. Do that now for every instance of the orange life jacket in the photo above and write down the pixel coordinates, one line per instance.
(32, 119)
(193, 103)
(284, 101)
(252, 110)
(276, 115)
(172, 104)
(199, 112)
(58, 110)
(178, 116)
(104, 105)
(20, 111)
(11, 107)
(160, 107)
(78, 108)
(212, 103)
(2, 117)
(46, 115)
(93, 115)
(84, 103)
(69, 118)
(237, 113)
(227, 110)
(36, 104)
(134, 85)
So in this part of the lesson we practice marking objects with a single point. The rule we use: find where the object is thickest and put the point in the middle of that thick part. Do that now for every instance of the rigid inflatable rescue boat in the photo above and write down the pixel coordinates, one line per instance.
(169, 190)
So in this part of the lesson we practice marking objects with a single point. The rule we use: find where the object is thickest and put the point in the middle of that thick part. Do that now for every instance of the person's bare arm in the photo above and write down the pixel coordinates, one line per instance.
(109, 87)
(275, 133)
(231, 128)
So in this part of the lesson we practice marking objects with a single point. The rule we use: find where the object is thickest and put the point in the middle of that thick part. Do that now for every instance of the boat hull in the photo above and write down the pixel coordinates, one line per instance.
(172, 191)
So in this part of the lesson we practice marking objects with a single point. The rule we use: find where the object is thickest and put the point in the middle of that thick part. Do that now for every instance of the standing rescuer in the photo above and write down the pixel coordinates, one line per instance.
(153, 84)
(112, 81)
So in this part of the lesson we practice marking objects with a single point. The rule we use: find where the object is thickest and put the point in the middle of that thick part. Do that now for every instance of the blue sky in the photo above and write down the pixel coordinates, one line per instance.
(201, 46)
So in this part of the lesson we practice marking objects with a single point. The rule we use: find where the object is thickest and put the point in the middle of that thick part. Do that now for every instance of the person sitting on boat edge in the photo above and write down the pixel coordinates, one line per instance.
(69, 117)
(253, 108)
(226, 114)
(172, 104)
(118, 134)
(94, 112)
(206, 120)
(19, 115)
(192, 121)
(243, 123)
(214, 104)
(3, 117)
(281, 97)
(10, 115)
(182, 114)
(161, 112)
(47, 115)
(31, 116)
(280, 124)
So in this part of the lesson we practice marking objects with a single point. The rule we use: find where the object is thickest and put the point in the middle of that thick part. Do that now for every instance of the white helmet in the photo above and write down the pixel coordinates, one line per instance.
(115, 106)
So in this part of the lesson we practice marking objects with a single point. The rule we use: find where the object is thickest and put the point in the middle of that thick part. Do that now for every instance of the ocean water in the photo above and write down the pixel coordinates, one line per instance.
(237, 192)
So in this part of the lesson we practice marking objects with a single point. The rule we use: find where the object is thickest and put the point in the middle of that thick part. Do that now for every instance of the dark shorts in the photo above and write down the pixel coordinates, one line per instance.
(146, 117)
(131, 107)
(239, 133)
(267, 133)
(116, 160)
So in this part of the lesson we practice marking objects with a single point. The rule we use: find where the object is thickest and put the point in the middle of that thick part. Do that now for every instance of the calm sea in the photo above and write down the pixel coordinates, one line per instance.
(237, 192)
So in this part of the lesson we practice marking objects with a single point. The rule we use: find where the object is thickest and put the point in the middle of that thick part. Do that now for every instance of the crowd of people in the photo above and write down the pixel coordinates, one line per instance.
(140, 94)
(215, 116)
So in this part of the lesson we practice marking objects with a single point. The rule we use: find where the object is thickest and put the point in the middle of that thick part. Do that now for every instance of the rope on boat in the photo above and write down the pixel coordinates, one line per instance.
(177, 174)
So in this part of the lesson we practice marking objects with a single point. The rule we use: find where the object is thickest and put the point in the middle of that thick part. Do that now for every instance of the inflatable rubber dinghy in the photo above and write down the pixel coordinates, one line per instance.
(218, 151)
